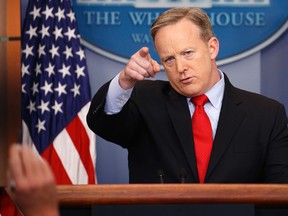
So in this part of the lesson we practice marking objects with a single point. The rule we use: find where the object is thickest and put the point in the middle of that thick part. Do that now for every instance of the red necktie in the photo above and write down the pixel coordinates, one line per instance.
(202, 133)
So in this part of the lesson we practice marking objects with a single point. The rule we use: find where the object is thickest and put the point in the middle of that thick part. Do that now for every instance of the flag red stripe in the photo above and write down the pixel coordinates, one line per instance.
(7, 206)
(59, 171)
(79, 137)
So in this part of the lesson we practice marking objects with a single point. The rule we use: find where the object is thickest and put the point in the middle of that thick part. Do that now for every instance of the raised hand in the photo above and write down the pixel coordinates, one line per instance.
(31, 182)
(139, 67)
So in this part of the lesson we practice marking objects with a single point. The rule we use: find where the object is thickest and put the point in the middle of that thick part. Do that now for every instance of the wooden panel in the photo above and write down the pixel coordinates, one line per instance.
(272, 195)
(10, 79)
(3, 110)
(13, 58)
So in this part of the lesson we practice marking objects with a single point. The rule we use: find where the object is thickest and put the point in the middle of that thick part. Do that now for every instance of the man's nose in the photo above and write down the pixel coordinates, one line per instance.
(181, 65)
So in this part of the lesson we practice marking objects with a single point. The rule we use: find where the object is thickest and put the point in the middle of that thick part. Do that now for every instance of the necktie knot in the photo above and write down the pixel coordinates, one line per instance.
(199, 100)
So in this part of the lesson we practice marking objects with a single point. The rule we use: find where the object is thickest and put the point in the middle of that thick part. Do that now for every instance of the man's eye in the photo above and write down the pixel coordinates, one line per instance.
(188, 53)
(169, 60)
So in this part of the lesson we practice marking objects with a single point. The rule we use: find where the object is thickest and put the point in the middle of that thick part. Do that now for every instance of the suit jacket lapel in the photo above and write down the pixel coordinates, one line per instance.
(180, 116)
(230, 117)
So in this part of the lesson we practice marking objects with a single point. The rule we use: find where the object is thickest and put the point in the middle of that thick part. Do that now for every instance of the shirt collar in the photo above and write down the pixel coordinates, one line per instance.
(216, 93)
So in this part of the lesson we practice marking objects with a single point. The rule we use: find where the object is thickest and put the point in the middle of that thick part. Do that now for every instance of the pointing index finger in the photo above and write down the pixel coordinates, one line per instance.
(144, 52)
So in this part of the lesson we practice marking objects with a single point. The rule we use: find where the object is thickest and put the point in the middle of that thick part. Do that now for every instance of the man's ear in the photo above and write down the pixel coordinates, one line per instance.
(213, 47)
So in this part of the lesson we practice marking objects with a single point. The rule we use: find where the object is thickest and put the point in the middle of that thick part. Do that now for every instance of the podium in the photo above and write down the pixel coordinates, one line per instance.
(174, 199)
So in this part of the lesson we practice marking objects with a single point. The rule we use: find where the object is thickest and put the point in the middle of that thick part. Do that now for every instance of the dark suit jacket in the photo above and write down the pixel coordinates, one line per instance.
(250, 145)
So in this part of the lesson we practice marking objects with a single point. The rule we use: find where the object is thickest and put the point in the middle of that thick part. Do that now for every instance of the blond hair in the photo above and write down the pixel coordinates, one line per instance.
(196, 15)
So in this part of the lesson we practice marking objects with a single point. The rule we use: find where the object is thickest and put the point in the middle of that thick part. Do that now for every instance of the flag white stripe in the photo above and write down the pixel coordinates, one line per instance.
(70, 159)
(26, 138)
(92, 139)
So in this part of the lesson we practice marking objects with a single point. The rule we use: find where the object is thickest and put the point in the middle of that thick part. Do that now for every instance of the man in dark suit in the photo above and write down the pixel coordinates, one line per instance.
(152, 119)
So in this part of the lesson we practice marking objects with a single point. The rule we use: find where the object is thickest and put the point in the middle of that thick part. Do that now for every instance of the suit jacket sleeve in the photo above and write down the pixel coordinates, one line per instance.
(276, 168)
(117, 128)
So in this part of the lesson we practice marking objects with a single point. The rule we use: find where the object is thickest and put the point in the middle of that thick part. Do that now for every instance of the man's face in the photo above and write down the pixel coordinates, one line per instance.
(188, 60)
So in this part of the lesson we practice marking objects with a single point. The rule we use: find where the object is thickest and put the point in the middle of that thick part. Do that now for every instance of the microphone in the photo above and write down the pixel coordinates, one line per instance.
(183, 175)
(161, 176)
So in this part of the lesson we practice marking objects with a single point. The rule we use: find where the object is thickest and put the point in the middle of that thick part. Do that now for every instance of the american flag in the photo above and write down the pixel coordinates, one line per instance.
(56, 91)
